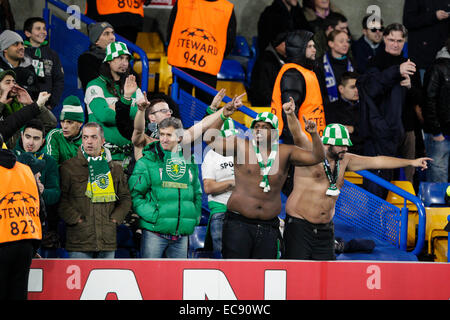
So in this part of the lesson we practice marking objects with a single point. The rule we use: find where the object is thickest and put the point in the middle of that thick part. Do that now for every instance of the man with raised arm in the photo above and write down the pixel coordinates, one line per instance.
(309, 229)
(261, 165)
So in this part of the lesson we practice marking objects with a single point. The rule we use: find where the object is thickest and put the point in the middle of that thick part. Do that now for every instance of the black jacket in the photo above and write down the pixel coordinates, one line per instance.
(25, 75)
(363, 52)
(426, 33)
(12, 124)
(437, 87)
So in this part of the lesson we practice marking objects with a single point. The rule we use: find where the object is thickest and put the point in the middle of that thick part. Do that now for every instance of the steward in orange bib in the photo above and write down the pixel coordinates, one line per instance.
(20, 225)
(201, 33)
(298, 80)
(126, 16)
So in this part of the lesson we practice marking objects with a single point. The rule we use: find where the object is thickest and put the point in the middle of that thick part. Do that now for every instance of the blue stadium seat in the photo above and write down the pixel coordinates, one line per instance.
(432, 193)
(231, 70)
(197, 239)
(241, 47)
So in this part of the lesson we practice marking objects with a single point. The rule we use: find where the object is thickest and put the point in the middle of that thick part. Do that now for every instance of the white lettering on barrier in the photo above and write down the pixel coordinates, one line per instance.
(102, 282)
(74, 280)
(201, 283)
(374, 280)
(275, 285)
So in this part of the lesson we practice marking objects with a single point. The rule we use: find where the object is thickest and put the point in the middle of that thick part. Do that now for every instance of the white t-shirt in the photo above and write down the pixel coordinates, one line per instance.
(219, 168)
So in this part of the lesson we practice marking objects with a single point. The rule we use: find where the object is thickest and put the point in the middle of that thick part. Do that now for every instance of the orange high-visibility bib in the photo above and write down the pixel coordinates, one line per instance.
(311, 108)
(120, 6)
(199, 35)
(19, 204)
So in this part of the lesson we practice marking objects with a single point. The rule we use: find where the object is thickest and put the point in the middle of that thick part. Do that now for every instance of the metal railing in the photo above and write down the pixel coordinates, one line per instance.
(131, 46)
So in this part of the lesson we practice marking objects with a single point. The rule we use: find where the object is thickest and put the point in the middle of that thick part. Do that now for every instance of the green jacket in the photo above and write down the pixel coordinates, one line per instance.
(60, 148)
(49, 176)
(98, 99)
(174, 211)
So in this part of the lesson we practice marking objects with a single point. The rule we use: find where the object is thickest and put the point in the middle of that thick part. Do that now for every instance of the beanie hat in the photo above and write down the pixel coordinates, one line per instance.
(116, 49)
(7, 72)
(8, 38)
(336, 135)
(228, 129)
(72, 109)
(279, 38)
(95, 30)
(266, 117)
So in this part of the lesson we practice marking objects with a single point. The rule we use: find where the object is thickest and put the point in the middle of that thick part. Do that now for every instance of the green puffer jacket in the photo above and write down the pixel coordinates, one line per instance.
(174, 211)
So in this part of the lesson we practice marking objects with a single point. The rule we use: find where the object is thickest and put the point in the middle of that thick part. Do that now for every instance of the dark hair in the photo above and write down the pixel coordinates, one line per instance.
(35, 124)
(366, 18)
(28, 25)
(95, 125)
(396, 27)
(105, 70)
(347, 76)
(333, 19)
(153, 102)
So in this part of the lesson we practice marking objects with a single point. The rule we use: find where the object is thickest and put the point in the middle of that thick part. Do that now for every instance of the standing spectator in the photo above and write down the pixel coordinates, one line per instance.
(101, 34)
(281, 16)
(126, 17)
(316, 11)
(265, 71)
(437, 115)
(48, 68)
(109, 89)
(345, 110)
(335, 62)
(370, 43)
(166, 194)
(12, 57)
(218, 183)
(334, 21)
(6, 16)
(382, 92)
(201, 34)
(63, 144)
(94, 198)
(18, 191)
(428, 24)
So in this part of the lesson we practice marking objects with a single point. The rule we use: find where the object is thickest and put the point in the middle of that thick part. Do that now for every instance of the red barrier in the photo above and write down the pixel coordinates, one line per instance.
(68, 279)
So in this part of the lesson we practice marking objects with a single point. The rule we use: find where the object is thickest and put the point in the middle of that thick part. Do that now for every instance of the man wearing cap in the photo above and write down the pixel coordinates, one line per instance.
(114, 85)
(309, 229)
(261, 165)
(100, 35)
(62, 144)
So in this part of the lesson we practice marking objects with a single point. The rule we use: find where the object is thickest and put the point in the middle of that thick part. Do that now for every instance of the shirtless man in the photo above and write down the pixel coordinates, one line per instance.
(251, 223)
(309, 229)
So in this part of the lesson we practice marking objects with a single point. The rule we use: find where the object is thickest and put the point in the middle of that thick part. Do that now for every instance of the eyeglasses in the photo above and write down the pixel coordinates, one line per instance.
(376, 29)
(165, 111)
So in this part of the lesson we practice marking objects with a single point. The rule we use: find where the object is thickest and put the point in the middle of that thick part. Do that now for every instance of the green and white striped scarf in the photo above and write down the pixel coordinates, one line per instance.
(265, 168)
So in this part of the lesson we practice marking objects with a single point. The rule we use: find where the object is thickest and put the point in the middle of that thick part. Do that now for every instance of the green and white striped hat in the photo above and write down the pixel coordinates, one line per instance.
(72, 109)
(266, 117)
(116, 49)
(336, 135)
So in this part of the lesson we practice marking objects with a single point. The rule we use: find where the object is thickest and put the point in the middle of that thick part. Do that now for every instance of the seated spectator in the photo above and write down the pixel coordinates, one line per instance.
(13, 57)
(62, 144)
(265, 71)
(94, 198)
(316, 11)
(168, 222)
(45, 60)
(13, 98)
(100, 35)
(32, 141)
(280, 17)
(334, 21)
(369, 44)
(335, 62)
(437, 115)
(345, 110)
(218, 182)
(109, 89)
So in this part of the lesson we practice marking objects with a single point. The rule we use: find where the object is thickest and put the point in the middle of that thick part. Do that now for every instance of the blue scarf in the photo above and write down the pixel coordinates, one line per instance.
(330, 79)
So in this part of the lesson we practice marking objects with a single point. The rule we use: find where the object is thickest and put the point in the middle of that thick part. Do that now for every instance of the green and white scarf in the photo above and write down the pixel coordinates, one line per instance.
(265, 168)
(100, 187)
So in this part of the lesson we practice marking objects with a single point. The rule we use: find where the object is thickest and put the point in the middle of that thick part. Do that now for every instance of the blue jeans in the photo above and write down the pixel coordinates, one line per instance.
(91, 254)
(215, 227)
(439, 151)
(156, 247)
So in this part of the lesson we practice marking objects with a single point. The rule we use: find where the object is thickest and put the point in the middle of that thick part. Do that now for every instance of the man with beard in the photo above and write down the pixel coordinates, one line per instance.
(114, 86)
(309, 229)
